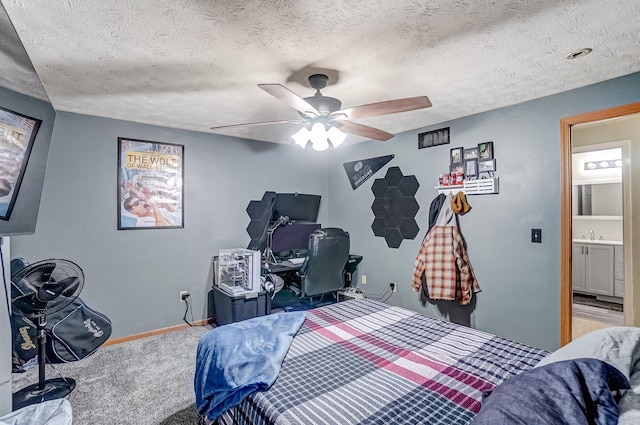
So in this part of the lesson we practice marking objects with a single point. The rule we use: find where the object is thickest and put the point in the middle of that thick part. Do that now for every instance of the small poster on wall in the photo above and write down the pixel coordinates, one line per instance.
(359, 172)
(150, 188)
(17, 133)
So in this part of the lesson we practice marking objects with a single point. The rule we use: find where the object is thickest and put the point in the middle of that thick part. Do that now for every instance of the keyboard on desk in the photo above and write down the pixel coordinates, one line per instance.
(297, 261)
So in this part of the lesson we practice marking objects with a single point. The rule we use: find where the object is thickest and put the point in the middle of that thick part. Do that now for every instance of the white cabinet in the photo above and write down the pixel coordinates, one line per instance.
(593, 269)
(577, 271)
(599, 269)
(618, 271)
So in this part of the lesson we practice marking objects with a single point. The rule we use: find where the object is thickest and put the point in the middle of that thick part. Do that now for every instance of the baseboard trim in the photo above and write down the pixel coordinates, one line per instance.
(112, 341)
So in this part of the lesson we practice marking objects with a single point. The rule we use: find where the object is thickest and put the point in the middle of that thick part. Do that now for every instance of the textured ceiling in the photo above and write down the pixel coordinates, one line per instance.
(16, 71)
(195, 64)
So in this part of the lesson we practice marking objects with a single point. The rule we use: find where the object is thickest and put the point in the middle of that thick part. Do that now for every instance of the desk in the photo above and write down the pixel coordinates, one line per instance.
(287, 266)
(284, 266)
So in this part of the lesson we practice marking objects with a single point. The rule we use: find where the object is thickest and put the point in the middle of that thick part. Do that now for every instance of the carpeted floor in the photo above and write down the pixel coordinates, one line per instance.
(147, 381)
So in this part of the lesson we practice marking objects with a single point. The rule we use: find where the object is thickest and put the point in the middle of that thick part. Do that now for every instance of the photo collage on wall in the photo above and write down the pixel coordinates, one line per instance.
(469, 164)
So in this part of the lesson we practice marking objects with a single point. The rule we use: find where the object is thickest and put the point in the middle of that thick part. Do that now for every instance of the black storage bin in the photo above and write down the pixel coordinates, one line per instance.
(234, 308)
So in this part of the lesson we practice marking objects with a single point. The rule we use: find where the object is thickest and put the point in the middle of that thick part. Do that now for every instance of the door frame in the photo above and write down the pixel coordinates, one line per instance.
(566, 240)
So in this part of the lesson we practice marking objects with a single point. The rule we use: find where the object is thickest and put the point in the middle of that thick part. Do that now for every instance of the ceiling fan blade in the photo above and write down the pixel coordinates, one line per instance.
(363, 130)
(385, 108)
(259, 123)
(290, 98)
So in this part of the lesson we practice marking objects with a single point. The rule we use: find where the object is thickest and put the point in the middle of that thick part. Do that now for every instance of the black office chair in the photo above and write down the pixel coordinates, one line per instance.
(323, 269)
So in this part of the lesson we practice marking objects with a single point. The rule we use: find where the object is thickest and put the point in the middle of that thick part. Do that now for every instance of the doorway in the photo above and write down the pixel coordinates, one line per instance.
(597, 230)
(566, 248)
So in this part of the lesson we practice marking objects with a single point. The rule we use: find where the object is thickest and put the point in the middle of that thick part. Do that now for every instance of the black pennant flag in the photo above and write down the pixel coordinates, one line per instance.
(359, 172)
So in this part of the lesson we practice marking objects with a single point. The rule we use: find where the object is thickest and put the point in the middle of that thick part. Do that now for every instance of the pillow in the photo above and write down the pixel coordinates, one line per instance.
(569, 392)
(619, 346)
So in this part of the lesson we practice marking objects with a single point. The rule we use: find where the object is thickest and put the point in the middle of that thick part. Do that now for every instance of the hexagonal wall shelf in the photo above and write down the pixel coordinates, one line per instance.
(260, 214)
(395, 207)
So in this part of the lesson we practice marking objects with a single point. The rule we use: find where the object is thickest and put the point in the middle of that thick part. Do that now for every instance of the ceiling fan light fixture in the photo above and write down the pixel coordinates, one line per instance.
(301, 137)
(318, 137)
(321, 146)
(336, 136)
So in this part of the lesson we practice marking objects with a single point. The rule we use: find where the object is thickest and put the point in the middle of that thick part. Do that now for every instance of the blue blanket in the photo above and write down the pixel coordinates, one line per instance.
(237, 359)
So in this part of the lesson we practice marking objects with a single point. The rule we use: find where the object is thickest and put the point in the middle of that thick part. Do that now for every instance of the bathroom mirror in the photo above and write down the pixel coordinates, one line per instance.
(601, 199)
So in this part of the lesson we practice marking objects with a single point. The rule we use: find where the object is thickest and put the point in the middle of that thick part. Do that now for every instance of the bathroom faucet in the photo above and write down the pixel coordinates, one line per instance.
(592, 236)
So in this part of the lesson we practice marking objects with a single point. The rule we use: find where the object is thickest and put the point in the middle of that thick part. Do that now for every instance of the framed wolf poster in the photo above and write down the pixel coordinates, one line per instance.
(150, 192)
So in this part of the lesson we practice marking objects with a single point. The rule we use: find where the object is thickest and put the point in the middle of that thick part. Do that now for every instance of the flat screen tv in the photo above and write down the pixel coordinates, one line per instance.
(17, 133)
(27, 125)
(296, 206)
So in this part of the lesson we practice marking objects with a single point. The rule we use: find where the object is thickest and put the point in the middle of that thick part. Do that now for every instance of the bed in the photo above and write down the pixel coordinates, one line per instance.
(366, 362)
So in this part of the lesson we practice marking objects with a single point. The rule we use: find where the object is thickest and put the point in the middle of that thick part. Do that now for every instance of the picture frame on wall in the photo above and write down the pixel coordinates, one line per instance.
(150, 190)
(471, 153)
(458, 167)
(487, 165)
(455, 155)
(17, 134)
(485, 151)
(471, 167)
(433, 138)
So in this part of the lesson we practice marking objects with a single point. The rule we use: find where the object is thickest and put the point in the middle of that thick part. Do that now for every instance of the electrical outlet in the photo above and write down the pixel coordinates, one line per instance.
(393, 287)
(363, 279)
(184, 295)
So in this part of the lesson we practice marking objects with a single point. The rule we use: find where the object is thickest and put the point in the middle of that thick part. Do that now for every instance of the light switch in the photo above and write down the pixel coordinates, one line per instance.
(536, 235)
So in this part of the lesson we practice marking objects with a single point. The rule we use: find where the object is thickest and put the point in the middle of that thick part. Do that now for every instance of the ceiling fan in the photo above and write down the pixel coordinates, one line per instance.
(324, 110)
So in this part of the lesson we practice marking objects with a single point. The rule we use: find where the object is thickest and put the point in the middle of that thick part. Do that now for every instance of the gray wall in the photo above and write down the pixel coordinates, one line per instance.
(134, 276)
(520, 280)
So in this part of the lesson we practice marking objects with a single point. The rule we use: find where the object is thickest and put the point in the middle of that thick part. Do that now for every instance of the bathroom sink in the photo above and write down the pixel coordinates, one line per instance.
(597, 242)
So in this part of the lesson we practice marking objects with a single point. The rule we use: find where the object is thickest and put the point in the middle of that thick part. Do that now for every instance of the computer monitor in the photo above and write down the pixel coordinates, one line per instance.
(296, 206)
(292, 236)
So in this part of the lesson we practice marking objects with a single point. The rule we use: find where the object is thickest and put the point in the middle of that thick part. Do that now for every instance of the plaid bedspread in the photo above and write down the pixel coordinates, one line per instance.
(365, 362)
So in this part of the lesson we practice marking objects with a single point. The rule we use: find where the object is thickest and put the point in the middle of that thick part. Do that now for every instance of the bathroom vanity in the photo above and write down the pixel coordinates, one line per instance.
(598, 269)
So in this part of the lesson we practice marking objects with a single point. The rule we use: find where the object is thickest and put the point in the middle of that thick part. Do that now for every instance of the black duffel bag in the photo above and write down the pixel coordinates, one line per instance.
(73, 333)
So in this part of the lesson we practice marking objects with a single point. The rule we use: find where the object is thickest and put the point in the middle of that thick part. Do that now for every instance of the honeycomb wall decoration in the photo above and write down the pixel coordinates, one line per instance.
(260, 215)
(395, 207)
